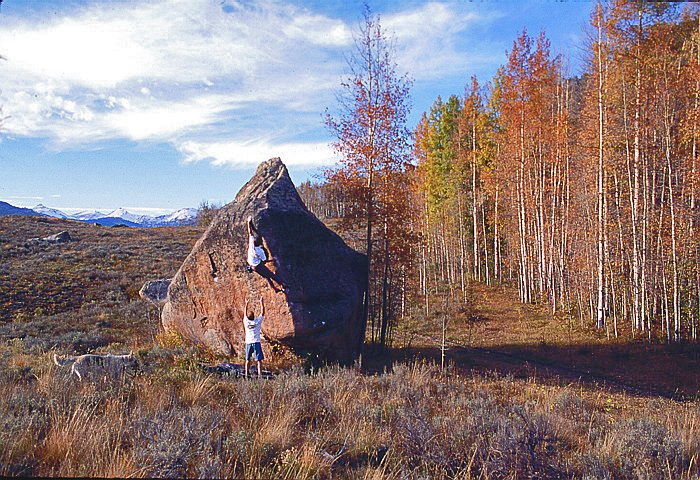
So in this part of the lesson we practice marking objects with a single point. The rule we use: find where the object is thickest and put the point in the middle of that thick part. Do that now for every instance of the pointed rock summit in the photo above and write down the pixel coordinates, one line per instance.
(321, 310)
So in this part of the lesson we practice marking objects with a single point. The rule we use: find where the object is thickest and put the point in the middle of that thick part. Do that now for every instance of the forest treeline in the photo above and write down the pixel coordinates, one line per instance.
(581, 191)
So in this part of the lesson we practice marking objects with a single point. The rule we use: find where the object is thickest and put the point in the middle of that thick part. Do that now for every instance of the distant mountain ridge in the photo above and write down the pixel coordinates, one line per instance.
(7, 209)
(120, 216)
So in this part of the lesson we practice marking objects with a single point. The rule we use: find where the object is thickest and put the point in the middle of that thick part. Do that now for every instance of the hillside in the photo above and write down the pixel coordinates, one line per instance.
(495, 332)
(86, 288)
(524, 394)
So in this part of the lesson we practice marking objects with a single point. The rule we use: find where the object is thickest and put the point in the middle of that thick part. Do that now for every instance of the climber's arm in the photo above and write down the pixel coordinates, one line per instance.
(251, 227)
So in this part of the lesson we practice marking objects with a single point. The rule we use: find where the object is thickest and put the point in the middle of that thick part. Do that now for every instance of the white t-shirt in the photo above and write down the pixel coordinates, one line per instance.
(256, 255)
(252, 329)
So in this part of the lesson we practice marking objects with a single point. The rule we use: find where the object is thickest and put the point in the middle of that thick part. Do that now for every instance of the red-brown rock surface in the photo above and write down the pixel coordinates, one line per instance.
(320, 313)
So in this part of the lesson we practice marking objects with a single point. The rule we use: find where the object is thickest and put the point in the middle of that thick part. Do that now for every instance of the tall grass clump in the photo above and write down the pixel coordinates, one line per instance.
(173, 421)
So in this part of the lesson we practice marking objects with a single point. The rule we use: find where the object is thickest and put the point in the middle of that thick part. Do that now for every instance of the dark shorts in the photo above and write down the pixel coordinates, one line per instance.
(254, 350)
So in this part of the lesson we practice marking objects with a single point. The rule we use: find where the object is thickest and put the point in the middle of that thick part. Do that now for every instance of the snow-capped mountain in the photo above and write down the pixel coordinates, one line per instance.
(122, 213)
(87, 215)
(51, 212)
(182, 217)
(183, 214)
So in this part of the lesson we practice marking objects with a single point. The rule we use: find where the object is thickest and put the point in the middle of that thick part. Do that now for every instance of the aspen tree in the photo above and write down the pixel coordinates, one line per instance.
(601, 175)
(373, 144)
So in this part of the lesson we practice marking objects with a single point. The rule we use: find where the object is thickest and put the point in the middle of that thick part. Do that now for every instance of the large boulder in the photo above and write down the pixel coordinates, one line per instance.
(321, 310)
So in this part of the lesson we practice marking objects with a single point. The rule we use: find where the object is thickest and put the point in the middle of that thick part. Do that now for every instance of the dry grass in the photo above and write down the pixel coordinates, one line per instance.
(493, 331)
(90, 283)
(415, 421)
(490, 415)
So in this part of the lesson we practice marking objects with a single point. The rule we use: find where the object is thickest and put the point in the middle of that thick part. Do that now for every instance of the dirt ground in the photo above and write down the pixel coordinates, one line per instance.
(494, 332)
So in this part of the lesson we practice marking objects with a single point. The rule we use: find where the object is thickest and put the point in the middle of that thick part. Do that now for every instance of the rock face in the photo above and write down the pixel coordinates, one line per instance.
(321, 311)
(155, 291)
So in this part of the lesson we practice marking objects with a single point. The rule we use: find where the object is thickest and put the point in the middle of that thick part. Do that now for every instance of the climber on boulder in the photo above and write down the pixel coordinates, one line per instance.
(326, 280)
(251, 324)
(257, 258)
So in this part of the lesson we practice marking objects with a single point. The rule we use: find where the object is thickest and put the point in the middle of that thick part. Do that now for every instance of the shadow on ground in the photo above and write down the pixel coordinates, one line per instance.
(635, 368)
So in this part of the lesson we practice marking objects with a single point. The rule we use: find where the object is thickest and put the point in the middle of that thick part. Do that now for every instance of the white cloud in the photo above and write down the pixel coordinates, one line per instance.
(25, 198)
(254, 152)
(76, 52)
(102, 46)
(430, 19)
(165, 69)
(155, 120)
(318, 30)
(426, 39)
(191, 72)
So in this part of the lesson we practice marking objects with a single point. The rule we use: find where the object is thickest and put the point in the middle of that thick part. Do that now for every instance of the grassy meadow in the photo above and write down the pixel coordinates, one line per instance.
(524, 394)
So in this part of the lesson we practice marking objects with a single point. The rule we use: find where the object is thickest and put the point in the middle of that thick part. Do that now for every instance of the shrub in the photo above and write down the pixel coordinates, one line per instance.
(645, 449)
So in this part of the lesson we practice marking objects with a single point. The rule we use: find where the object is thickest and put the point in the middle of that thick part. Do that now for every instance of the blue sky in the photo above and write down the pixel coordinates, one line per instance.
(162, 104)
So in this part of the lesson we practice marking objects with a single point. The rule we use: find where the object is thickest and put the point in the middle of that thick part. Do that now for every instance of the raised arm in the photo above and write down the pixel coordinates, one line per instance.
(245, 313)
(251, 228)
(262, 306)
